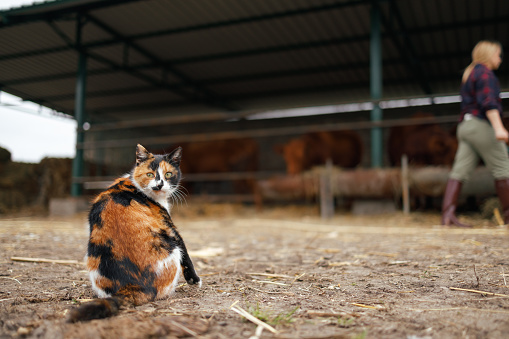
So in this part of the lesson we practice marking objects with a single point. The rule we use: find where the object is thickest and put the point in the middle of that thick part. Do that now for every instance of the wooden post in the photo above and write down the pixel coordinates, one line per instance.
(405, 184)
(326, 196)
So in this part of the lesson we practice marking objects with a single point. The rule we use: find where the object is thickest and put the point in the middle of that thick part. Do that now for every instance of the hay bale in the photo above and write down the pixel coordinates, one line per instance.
(18, 186)
(488, 206)
(33, 185)
(5, 158)
(54, 179)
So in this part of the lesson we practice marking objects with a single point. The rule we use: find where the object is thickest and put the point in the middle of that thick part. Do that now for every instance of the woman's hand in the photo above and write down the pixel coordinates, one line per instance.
(502, 135)
(500, 131)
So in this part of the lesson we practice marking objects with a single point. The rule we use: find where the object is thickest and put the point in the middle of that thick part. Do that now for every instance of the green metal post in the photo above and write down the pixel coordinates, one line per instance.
(79, 115)
(376, 86)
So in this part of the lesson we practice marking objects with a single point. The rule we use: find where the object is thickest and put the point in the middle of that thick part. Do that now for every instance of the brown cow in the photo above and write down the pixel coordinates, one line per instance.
(219, 156)
(424, 145)
(344, 148)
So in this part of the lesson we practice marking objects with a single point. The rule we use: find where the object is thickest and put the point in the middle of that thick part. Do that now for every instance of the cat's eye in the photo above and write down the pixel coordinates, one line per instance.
(150, 175)
(168, 175)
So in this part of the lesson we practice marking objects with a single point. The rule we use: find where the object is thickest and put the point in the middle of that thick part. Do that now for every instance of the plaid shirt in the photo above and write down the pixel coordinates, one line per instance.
(480, 93)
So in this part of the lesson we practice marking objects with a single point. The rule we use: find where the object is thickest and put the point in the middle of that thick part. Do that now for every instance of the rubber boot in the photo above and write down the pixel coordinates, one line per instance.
(502, 187)
(452, 192)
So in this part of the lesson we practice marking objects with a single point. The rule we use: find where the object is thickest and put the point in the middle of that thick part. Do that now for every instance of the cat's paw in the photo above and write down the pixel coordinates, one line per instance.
(194, 281)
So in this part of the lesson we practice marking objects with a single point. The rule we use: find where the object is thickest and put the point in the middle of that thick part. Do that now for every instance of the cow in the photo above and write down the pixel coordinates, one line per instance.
(220, 156)
(424, 145)
(344, 148)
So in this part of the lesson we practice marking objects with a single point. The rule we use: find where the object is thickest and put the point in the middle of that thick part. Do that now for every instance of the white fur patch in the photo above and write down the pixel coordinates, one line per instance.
(167, 189)
(171, 262)
(95, 277)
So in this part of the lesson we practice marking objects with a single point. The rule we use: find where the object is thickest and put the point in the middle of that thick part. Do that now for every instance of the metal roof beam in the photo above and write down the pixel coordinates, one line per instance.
(406, 49)
(360, 38)
(314, 44)
(333, 87)
(34, 53)
(274, 49)
(115, 67)
(210, 81)
(54, 10)
(182, 29)
(272, 93)
(251, 19)
(36, 100)
(208, 96)
(214, 81)
(406, 31)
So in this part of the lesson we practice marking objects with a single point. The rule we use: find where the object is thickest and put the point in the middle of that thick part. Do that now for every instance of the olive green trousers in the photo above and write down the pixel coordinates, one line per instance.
(476, 140)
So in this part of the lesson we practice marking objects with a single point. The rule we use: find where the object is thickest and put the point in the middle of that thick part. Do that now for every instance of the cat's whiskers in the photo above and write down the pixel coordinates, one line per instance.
(178, 196)
(182, 197)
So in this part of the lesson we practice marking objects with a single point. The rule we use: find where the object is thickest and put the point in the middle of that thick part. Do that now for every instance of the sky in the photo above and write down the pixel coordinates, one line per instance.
(31, 132)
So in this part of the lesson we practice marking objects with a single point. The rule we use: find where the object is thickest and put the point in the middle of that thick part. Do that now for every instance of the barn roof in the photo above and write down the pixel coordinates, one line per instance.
(205, 60)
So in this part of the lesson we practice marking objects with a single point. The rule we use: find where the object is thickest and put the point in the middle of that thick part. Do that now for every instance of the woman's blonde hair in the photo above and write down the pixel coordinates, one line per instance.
(481, 54)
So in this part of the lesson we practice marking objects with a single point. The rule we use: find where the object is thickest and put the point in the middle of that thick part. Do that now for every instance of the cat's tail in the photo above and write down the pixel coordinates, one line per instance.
(107, 307)
(95, 309)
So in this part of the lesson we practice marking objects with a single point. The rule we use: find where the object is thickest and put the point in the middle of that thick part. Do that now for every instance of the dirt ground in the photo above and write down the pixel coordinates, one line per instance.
(378, 276)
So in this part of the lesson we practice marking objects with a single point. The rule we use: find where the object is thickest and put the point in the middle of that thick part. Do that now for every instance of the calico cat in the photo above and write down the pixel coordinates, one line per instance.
(135, 254)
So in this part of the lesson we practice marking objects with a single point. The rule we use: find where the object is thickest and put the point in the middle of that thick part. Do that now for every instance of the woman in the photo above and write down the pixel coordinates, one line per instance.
(481, 133)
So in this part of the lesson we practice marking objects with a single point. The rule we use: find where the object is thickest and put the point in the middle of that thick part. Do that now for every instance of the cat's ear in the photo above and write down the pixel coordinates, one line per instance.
(141, 154)
(175, 156)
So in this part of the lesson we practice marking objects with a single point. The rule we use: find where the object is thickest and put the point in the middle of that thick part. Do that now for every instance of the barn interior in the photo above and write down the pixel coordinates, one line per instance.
(251, 75)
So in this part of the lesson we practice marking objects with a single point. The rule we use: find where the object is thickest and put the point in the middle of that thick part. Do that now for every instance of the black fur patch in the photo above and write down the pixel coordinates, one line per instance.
(122, 272)
(167, 218)
(155, 163)
(124, 198)
(121, 185)
(94, 217)
(168, 243)
(95, 250)
(117, 186)
(175, 179)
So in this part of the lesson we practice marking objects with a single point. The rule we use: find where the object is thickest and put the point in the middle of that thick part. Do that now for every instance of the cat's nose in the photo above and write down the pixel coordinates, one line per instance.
(158, 187)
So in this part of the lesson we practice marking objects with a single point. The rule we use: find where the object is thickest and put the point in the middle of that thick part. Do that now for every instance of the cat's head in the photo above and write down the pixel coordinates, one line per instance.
(157, 176)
